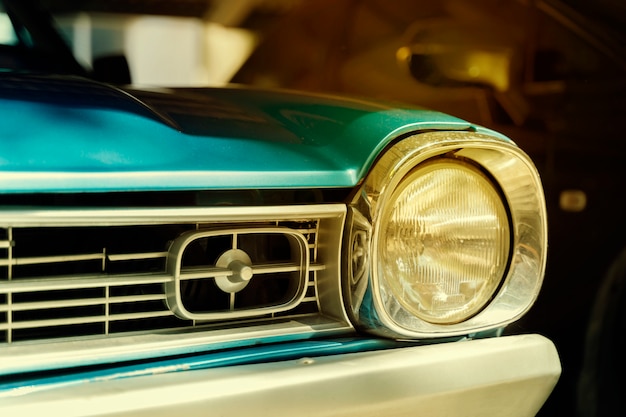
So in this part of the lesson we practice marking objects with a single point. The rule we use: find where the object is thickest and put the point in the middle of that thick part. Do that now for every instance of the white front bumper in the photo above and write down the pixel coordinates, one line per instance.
(506, 376)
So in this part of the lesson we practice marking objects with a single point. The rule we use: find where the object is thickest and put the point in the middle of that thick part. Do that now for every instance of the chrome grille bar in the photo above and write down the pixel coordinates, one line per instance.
(42, 305)
(83, 282)
(188, 274)
(97, 281)
(52, 259)
(84, 320)
(135, 256)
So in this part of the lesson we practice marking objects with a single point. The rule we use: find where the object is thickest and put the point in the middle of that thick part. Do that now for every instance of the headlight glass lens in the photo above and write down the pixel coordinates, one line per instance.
(443, 242)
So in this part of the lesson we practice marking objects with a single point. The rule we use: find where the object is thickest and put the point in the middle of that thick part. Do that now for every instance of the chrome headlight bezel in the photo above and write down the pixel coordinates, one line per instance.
(512, 172)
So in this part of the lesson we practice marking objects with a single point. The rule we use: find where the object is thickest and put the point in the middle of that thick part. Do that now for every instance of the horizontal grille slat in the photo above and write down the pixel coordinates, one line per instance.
(198, 273)
(61, 283)
(274, 268)
(41, 305)
(85, 282)
(135, 256)
(53, 259)
(84, 257)
(83, 320)
(222, 272)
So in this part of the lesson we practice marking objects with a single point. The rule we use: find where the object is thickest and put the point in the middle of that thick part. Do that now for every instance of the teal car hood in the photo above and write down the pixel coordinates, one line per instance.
(74, 135)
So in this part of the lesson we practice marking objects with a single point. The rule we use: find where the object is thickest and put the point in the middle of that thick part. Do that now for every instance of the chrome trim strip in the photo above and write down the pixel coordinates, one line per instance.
(57, 217)
(24, 357)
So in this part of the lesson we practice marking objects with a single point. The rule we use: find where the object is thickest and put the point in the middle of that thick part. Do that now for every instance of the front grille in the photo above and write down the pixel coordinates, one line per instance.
(102, 273)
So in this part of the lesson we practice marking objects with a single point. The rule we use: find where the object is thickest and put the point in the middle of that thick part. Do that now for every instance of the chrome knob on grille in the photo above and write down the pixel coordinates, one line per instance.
(241, 266)
(241, 271)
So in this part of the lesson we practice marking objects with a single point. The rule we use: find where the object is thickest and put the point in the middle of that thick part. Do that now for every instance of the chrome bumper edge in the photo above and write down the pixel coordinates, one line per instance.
(510, 376)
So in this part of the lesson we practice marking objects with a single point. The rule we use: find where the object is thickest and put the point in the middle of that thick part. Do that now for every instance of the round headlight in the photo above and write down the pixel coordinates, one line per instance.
(443, 242)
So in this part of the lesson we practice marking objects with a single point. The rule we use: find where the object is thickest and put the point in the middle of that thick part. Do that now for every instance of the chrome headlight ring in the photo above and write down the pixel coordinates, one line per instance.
(447, 236)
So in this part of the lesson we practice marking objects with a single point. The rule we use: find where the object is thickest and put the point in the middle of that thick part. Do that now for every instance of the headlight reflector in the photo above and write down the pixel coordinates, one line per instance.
(444, 241)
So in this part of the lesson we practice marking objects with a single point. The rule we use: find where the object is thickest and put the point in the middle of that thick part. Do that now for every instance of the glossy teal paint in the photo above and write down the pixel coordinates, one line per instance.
(101, 139)
(262, 354)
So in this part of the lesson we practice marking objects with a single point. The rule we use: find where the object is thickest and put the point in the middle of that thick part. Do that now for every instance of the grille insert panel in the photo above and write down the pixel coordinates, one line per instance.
(246, 272)
(108, 273)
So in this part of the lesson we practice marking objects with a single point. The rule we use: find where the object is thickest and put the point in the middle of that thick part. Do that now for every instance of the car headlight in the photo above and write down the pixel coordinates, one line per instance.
(447, 237)
(443, 243)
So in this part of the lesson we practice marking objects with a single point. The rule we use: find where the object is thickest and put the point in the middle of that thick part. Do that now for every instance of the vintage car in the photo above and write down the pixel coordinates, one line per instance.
(238, 251)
